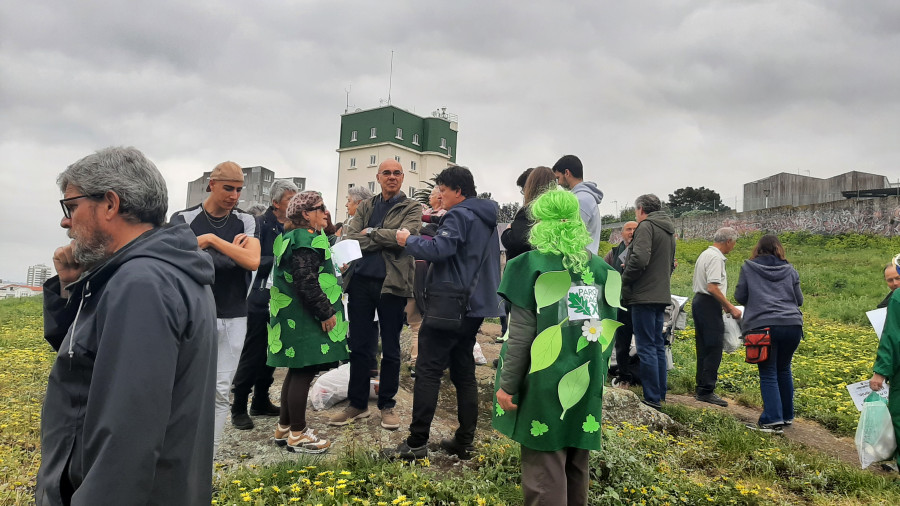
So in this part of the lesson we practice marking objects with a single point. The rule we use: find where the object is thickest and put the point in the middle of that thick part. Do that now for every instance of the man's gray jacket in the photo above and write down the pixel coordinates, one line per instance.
(651, 260)
(128, 415)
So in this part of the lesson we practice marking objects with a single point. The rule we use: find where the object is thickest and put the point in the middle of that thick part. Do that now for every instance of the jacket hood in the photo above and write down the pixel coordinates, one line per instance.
(173, 244)
(589, 188)
(662, 221)
(770, 267)
(485, 209)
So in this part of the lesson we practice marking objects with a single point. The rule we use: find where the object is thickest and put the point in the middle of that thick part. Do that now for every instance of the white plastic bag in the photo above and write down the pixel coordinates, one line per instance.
(330, 388)
(732, 338)
(479, 355)
(875, 439)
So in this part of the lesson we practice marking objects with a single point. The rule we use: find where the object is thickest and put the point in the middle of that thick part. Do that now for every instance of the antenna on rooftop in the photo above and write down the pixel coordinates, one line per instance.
(347, 90)
(391, 78)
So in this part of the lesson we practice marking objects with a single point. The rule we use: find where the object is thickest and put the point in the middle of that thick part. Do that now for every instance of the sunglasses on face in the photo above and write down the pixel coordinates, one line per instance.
(64, 203)
(318, 208)
(395, 173)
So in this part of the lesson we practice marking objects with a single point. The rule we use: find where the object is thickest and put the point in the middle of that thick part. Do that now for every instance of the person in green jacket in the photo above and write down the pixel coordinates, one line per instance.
(549, 383)
(307, 329)
(887, 359)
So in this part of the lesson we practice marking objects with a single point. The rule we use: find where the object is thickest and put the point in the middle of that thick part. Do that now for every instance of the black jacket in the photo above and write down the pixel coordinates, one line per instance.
(269, 228)
(515, 238)
(128, 415)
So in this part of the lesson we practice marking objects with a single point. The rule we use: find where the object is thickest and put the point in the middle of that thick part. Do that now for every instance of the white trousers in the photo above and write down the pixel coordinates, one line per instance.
(231, 333)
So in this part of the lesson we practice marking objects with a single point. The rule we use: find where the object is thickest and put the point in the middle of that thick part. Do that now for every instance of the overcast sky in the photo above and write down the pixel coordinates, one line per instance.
(652, 95)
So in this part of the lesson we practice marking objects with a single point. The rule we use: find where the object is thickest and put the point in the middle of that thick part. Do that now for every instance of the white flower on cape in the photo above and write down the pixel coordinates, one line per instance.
(591, 330)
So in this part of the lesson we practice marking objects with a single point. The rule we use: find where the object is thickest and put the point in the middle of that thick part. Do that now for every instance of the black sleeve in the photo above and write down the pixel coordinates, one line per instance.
(515, 238)
(58, 314)
(305, 264)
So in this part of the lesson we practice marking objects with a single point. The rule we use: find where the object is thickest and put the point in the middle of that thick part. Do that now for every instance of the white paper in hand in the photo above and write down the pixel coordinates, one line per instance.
(876, 318)
(345, 252)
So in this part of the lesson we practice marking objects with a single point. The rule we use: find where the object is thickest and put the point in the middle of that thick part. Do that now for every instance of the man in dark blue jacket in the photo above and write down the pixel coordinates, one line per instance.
(464, 254)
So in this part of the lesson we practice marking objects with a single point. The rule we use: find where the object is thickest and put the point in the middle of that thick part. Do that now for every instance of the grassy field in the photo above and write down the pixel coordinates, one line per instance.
(715, 461)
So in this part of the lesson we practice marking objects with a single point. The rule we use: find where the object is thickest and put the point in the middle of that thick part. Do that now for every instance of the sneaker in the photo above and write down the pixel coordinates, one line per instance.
(464, 452)
(405, 452)
(241, 421)
(348, 415)
(306, 442)
(770, 428)
(264, 408)
(789, 422)
(655, 405)
(389, 419)
(281, 434)
(712, 399)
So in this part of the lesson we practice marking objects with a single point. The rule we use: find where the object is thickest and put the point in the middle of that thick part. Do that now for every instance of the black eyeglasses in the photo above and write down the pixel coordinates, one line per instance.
(388, 173)
(68, 212)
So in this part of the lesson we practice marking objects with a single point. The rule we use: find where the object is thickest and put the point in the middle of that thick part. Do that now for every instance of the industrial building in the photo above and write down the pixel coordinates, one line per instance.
(786, 189)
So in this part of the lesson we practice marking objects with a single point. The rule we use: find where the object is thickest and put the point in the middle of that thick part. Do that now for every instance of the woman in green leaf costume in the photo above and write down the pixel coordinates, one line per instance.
(307, 330)
(549, 383)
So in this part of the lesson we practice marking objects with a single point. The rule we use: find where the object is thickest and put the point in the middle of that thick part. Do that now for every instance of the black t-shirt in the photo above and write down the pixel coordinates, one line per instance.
(232, 281)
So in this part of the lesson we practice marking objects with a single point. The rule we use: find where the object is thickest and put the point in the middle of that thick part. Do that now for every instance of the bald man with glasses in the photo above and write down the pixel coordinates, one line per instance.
(381, 280)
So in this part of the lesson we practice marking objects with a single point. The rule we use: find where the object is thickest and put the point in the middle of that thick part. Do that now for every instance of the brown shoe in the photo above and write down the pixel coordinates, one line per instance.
(348, 415)
(306, 442)
(281, 434)
(389, 419)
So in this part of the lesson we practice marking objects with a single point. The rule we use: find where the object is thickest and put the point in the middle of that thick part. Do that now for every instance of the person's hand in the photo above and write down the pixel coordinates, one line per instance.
(877, 382)
(505, 401)
(329, 324)
(205, 241)
(68, 269)
(735, 312)
(344, 268)
(402, 236)
(240, 240)
(509, 225)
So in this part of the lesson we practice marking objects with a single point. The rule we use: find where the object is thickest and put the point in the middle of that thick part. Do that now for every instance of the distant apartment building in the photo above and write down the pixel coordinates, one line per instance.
(423, 146)
(786, 189)
(257, 181)
(38, 274)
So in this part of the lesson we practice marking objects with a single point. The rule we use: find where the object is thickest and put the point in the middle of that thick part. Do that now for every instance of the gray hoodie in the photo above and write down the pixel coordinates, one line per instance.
(128, 414)
(769, 288)
(589, 197)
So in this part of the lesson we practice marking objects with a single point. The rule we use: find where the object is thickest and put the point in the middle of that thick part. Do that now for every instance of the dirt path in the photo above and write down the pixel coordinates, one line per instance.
(255, 446)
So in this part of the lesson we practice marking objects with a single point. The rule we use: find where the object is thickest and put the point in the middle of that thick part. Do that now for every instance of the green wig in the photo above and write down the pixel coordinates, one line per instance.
(559, 230)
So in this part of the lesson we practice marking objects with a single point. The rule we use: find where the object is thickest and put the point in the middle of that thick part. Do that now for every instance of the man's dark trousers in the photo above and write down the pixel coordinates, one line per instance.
(366, 297)
(438, 350)
(252, 371)
(710, 330)
(623, 347)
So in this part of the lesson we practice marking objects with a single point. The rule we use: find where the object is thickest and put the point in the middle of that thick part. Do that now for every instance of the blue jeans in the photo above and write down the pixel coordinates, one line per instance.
(647, 320)
(776, 382)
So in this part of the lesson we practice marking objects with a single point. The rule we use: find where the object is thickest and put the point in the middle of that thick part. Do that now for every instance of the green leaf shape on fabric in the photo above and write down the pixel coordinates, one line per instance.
(330, 286)
(277, 301)
(274, 337)
(579, 304)
(608, 332)
(590, 425)
(325, 349)
(321, 242)
(289, 352)
(550, 287)
(612, 290)
(292, 324)
(288, 277)
(582, 344)
(538, 428)
(505, 337)
(280, 246)
(498, 409)
(587, 277)
(339, 332)
(545, 348)
(573, 386)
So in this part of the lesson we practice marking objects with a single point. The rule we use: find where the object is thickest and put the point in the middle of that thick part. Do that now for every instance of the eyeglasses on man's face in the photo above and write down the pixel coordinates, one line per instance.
(389, 173)
(64, 203)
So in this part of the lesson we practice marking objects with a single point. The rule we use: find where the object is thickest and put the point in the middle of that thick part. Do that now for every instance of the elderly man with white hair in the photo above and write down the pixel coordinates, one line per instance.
(710, 288)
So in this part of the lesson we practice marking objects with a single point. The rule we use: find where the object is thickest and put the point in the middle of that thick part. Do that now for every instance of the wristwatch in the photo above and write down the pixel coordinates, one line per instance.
(370, 231)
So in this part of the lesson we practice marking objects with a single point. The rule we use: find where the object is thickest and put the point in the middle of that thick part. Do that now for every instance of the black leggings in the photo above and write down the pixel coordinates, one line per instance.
(294, 393)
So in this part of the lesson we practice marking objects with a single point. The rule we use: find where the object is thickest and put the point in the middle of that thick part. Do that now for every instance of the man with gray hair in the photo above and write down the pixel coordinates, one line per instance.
(646, 291)
(252, 371)
(710, 287)
(228, 235)
(128, 412)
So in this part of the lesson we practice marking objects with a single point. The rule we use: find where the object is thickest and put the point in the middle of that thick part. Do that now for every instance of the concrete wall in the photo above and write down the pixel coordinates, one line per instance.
(871, 216)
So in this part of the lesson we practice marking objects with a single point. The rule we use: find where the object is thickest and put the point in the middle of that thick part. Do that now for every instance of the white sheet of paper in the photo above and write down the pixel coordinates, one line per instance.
(345, 252)
(589, 296)
(681, 300)
(859, 392)
(876, 318)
